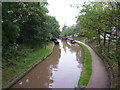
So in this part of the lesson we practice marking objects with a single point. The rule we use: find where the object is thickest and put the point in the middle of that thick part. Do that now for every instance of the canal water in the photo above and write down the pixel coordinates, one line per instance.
(61, 69)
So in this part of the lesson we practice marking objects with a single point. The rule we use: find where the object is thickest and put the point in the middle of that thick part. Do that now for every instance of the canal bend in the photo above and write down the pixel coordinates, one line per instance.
(62, 69)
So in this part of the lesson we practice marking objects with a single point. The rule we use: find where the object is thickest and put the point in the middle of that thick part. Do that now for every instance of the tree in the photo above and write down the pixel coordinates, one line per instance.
(26, 24)
(98, 19)
(67, 31)
(53, 27)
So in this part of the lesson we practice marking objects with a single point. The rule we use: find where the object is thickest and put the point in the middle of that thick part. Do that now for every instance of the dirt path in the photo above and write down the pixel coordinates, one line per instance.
(99, 77)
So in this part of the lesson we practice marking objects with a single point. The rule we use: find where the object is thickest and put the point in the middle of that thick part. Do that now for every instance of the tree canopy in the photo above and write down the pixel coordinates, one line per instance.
(27, 23)
(101, 19)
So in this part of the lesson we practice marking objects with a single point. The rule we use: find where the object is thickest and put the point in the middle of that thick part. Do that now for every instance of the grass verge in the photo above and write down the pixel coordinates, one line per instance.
(87, 68)
(13, 71)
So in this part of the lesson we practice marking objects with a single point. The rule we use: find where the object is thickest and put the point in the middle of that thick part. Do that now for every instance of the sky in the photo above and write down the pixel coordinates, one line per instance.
(63, 12)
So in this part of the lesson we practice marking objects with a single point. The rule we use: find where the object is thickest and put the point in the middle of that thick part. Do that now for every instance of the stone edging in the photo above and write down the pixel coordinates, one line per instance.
(23, 74)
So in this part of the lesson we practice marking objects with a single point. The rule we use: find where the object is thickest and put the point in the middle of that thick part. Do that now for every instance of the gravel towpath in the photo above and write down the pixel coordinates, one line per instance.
(99, 77)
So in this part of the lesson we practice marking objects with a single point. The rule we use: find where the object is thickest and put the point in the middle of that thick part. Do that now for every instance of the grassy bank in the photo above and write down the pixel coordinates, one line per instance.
(110, 63)
(87, 67)
(13, 71)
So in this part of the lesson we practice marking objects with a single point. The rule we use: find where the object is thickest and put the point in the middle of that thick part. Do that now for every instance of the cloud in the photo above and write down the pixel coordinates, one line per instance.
(63, 12)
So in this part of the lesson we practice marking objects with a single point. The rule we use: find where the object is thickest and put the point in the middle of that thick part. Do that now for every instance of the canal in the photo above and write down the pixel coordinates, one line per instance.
(62, 69)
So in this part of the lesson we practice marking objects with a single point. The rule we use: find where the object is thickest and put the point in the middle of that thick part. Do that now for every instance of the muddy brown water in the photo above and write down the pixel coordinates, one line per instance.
(61, 69)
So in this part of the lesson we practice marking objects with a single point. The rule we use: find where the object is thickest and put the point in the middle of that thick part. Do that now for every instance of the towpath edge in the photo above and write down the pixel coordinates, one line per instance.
(99, 77)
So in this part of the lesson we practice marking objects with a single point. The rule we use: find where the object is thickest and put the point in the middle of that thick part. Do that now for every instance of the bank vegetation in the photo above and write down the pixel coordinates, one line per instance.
(26, 33)
(98, 25)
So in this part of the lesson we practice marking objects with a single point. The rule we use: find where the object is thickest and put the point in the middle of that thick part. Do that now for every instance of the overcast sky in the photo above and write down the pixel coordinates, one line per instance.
(63, 12)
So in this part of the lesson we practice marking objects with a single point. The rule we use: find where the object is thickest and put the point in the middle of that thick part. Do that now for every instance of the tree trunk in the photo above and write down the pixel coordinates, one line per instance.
(99, 38)
(99, 42)
(109, 42)
(116, 50)
(104, 45)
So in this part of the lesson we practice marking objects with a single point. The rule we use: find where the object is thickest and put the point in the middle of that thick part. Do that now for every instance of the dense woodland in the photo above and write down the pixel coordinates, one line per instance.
(25, 25)
(99, 22)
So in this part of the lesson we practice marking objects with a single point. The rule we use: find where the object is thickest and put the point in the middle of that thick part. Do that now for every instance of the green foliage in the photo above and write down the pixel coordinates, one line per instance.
(67, 31)
(99, 22)
(26, 30)
(100, 19)
(27, 24)
(52, 26)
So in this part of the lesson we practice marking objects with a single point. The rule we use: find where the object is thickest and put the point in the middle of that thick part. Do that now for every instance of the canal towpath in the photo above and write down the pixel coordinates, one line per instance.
(99, 77)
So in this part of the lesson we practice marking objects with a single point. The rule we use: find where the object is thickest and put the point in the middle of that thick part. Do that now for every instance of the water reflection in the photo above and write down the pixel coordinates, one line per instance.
(74, 48)
(39, 77)
(60, 70)
(69, 67)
